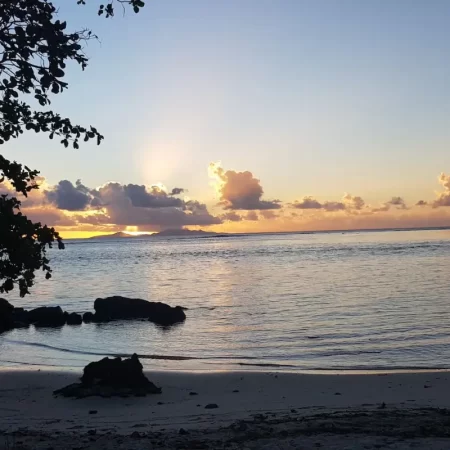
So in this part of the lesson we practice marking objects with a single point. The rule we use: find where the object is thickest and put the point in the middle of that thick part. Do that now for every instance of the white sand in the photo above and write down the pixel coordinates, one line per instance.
(338, 411)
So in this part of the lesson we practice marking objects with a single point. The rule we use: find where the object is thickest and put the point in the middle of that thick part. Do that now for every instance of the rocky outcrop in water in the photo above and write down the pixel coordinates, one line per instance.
(123, 308)
(111, 377)
(6, 320)
(106, 310)
(47, 316)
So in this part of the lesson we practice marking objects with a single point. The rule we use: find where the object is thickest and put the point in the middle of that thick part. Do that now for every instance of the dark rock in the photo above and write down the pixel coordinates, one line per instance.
(20, 318)
(182, 432)
(135, 434)
(111, 377)
(193, 393)
(47, 316)
(6, 320)
(88, 317)
(93, 411)
(122, 308)
(74, 319)
(211, 406)
(235, 391)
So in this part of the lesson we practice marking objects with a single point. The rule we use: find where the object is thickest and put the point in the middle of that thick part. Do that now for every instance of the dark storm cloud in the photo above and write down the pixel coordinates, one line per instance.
(421, 203)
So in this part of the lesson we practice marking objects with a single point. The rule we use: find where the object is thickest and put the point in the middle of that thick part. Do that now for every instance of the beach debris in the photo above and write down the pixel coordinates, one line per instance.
(211, 406)
(111, 378)
(337, 393)
(123, 308)
(426, 386)
(93, 411)
(235, 391)
(193, 393)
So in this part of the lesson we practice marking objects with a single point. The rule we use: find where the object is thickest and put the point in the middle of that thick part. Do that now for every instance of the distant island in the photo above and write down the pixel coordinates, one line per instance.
(165, 233)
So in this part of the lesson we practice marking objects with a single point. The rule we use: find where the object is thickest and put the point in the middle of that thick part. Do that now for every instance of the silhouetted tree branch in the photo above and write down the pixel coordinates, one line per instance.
(35, 48)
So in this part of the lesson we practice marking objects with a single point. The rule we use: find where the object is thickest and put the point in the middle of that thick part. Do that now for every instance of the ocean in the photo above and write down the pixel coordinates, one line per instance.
(333, 301)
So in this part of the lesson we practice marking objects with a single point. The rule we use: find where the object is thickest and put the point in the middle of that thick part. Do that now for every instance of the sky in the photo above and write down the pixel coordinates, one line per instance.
(263, 115)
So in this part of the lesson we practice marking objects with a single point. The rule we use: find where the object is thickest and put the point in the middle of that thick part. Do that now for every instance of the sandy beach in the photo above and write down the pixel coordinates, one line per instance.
(253, 410)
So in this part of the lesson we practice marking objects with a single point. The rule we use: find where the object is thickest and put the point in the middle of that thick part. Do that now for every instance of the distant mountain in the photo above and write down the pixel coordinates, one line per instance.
(119, 234)
(165, 233)
(183, 232)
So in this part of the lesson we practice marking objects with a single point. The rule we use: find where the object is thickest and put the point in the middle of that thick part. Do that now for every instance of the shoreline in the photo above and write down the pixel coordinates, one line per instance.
(259, 400)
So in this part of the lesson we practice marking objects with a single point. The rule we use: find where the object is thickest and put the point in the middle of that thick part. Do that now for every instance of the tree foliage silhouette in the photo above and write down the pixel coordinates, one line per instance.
(35, 48)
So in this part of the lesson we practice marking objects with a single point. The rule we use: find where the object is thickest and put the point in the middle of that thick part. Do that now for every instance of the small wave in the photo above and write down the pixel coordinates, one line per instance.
(266, 364)
(116, 355)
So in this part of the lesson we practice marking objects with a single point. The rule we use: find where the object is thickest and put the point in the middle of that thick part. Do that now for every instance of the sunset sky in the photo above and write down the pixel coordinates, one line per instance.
(247, 116)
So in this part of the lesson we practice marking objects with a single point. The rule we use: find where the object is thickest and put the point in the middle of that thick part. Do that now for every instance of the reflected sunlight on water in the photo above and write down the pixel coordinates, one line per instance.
(327, 300)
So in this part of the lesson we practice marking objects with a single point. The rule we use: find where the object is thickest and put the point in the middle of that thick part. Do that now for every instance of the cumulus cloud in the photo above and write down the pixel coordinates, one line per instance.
(251, 215)
(333, 206)
(268, 214)
(307, 203)
(241, 190)
(113, 204)
(70, 197)
(443, 197)
(353, 202)
(348, 202)
(153, 197)
(397, 202)
(231, 216)
(177, 191)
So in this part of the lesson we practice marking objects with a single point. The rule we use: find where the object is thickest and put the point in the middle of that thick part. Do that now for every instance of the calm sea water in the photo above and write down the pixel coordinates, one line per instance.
(333, 301)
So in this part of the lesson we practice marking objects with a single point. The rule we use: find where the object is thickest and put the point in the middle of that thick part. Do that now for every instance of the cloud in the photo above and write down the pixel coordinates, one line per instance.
(241, 190)
(70, 197)
(353, 202)
(231, 216)
(251, 215)
(307, 203)
(348, 202)
(421, 203)
(334, 206)
(443, 197)
(268, 214)
(397, 202)
(153, 197)
(113, 204)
